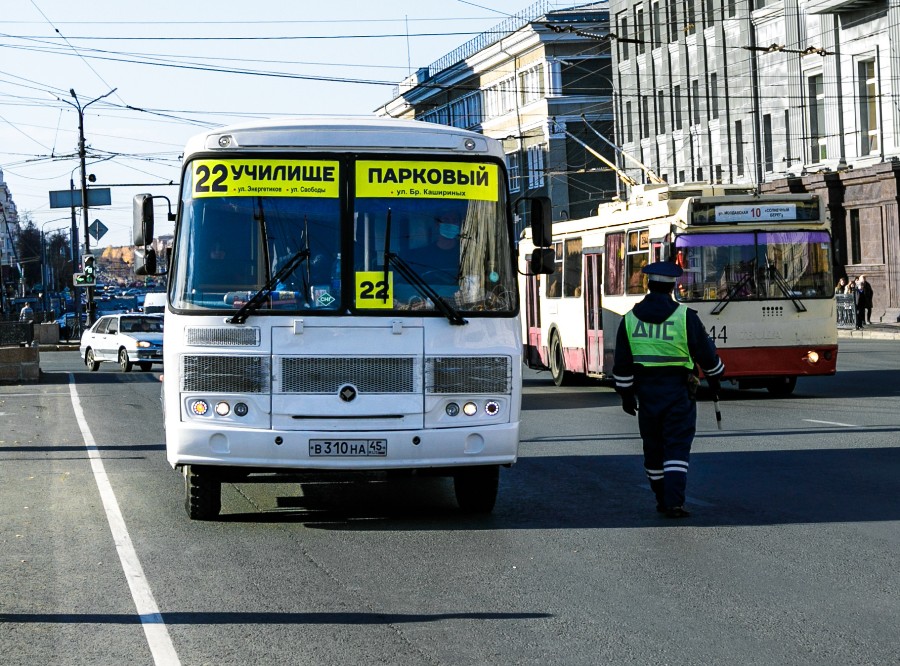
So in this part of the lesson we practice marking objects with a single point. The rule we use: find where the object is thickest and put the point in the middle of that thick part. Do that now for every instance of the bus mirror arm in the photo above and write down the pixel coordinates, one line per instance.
(260, 296)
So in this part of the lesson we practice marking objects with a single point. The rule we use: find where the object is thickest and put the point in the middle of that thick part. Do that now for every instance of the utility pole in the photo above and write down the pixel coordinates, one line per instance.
(82, 153)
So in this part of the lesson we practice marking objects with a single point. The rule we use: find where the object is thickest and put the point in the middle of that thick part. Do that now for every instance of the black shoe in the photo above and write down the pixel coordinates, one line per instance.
(677, 512)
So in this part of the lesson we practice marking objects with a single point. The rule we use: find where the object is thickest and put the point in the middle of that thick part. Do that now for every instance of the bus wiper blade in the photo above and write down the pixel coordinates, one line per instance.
(260, 296)
(410, 275)
(732, 293)
(784, 286)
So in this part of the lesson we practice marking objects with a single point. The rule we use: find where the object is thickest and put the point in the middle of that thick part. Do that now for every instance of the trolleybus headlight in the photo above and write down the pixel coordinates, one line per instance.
(200, 407)
(452, 409)
(223, 408)
(241, 409)
(470, 409)
(812, 357)
(492, 408)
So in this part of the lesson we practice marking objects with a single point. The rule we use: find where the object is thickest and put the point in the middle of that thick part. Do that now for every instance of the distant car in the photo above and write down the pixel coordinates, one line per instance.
(126, 339)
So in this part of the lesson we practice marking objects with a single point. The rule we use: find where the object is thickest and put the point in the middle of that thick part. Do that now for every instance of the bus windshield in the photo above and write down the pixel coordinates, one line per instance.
(455, 243)
(757, 265)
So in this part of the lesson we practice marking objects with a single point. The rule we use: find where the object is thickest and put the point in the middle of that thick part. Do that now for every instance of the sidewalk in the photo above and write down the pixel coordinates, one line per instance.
(873, 331)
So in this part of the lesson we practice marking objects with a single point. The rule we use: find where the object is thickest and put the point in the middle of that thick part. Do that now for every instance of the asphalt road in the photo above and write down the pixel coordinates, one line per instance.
(790, 557)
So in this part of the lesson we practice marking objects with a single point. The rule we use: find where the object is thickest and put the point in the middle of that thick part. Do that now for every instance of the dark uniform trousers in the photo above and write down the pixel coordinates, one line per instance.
(667, 419)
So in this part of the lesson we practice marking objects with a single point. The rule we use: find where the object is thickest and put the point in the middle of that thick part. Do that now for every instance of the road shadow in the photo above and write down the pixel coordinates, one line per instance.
(609, 491)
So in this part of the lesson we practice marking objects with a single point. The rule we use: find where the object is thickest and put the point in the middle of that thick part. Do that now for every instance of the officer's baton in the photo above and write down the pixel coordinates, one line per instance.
(718, 412)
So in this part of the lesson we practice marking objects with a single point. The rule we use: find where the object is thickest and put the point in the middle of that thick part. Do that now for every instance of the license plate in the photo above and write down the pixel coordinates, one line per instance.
(347, 448)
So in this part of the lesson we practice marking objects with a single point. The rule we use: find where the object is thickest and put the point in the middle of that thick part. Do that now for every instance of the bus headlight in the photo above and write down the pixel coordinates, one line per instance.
(812, 357)
(223, 408)
(241, 409)
(492, 408)
(470, 409)
(452, 409)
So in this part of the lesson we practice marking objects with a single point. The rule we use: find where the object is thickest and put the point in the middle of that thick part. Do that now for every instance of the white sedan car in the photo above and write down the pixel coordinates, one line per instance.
(126, 339)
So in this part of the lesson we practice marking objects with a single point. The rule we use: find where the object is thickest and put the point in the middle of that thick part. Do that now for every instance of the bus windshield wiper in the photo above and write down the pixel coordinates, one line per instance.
(410, 275)
(740, 284)
(779, 280)
(260, 296)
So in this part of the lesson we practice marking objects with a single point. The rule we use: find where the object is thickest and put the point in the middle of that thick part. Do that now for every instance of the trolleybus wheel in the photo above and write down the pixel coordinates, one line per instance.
(476, 488)
(782, 386)
(557, 361)
(124, 362)
(202, 493)
(91, 361)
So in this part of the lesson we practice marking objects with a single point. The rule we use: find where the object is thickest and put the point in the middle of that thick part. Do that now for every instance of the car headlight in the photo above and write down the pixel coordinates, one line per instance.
(143, 343)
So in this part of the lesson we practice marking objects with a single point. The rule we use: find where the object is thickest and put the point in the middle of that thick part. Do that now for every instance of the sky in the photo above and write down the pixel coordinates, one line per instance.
(156, 73)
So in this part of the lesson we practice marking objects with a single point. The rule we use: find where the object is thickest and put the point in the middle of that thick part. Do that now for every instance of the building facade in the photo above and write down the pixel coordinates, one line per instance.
(540, 82)
(780, 94)
(9, 229)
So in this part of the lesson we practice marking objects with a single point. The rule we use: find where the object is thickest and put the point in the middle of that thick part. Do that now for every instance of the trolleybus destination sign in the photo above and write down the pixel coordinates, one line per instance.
(755, 212)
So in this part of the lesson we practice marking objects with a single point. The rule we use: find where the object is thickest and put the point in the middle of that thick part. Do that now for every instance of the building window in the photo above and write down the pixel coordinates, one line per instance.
(695, 91)
(645, 100)
(629, 128)
(732, 8)
(768, 159)
(660, 112)
(639, 25)
(718, 172)
(672, 19)
(515, 171)
(868, 108)
(535, 167)
(623, 45)
(689, 27)
(656, 26)
(676, 107)
(466, 111)
(817, 141)
(739, 146)
(531, 84)
(714, 96)
(854, 238)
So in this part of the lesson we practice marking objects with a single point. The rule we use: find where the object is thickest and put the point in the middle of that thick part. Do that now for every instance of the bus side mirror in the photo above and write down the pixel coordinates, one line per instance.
(541, 222)
(144, 261)
(543, 261)
(142, 231)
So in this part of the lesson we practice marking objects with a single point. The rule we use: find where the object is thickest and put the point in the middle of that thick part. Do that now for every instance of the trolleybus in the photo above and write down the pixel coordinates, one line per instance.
(757, 269)
(341, 296)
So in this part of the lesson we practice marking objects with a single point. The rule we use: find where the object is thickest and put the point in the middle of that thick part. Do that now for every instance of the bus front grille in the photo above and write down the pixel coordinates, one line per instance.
(225, 374)
(391, 374)
(217, 336)
(468, 374)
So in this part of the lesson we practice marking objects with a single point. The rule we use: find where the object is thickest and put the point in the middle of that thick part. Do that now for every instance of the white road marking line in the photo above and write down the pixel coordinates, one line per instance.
(155, 630)
(844, 425)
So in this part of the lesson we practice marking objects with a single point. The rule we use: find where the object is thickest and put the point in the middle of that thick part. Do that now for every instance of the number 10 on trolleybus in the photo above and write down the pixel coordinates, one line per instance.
(757, 269)
(341, 297)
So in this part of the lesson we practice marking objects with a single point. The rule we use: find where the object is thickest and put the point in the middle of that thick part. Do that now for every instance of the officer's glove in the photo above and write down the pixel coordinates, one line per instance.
(629, 404)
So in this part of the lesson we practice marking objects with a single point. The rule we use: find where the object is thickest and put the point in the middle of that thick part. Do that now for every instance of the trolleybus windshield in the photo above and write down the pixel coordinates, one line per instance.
(754, 265)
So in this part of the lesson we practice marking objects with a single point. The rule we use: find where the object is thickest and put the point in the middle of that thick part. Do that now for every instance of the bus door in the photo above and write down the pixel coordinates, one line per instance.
(593, 321)
(533, 322)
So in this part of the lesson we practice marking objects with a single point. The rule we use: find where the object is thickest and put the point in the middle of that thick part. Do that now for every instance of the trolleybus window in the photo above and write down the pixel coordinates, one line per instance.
(614, 278)
(572, 268)
(638, 256)
(754, 265)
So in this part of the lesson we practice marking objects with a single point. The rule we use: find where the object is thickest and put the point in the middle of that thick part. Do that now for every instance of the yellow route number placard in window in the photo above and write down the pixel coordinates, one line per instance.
(372, 292)
(265, 178)
(476, 181)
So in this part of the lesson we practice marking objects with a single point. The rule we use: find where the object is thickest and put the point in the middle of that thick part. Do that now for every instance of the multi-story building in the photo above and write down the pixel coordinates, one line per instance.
(9, 229)
(782, 94)
(540, 82)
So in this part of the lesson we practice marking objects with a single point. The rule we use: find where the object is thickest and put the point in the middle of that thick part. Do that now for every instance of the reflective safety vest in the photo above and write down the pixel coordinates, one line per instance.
(663, 344)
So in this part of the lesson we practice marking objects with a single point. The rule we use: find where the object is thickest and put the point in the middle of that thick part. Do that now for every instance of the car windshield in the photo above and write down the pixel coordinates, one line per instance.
(141, 325)
(754, 265)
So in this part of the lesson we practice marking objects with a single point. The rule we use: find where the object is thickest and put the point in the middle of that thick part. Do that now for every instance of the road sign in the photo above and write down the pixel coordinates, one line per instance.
(99, 196)
(97, 229)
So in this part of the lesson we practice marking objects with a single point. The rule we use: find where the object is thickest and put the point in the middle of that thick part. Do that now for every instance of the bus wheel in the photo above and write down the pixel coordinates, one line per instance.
(782, 386)
(557, 362)
(202, 493)
(476, 488)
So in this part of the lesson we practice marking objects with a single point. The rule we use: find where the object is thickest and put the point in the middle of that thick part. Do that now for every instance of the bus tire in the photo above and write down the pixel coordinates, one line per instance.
(783, 386)
(202, 493)
(476, 488)
(558, 361)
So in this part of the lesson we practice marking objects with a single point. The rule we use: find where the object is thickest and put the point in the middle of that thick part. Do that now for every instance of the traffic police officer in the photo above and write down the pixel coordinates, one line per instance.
(657, 345)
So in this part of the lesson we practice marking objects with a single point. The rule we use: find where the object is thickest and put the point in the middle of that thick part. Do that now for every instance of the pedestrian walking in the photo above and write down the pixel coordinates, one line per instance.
(658, 344)
(26, 314)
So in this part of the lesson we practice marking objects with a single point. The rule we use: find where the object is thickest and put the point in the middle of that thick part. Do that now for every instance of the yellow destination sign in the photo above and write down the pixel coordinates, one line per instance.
(427, 180)
(267, 178)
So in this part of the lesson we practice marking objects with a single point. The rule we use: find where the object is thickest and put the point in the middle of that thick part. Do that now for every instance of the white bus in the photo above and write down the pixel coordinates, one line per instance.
(757, 269)
(341, 296)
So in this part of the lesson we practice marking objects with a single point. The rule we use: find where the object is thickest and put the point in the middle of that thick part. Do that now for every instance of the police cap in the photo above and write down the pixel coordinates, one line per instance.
(662, 271)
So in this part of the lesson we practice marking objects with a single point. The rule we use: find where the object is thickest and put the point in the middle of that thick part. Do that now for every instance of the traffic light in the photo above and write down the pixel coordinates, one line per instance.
(87, 278)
